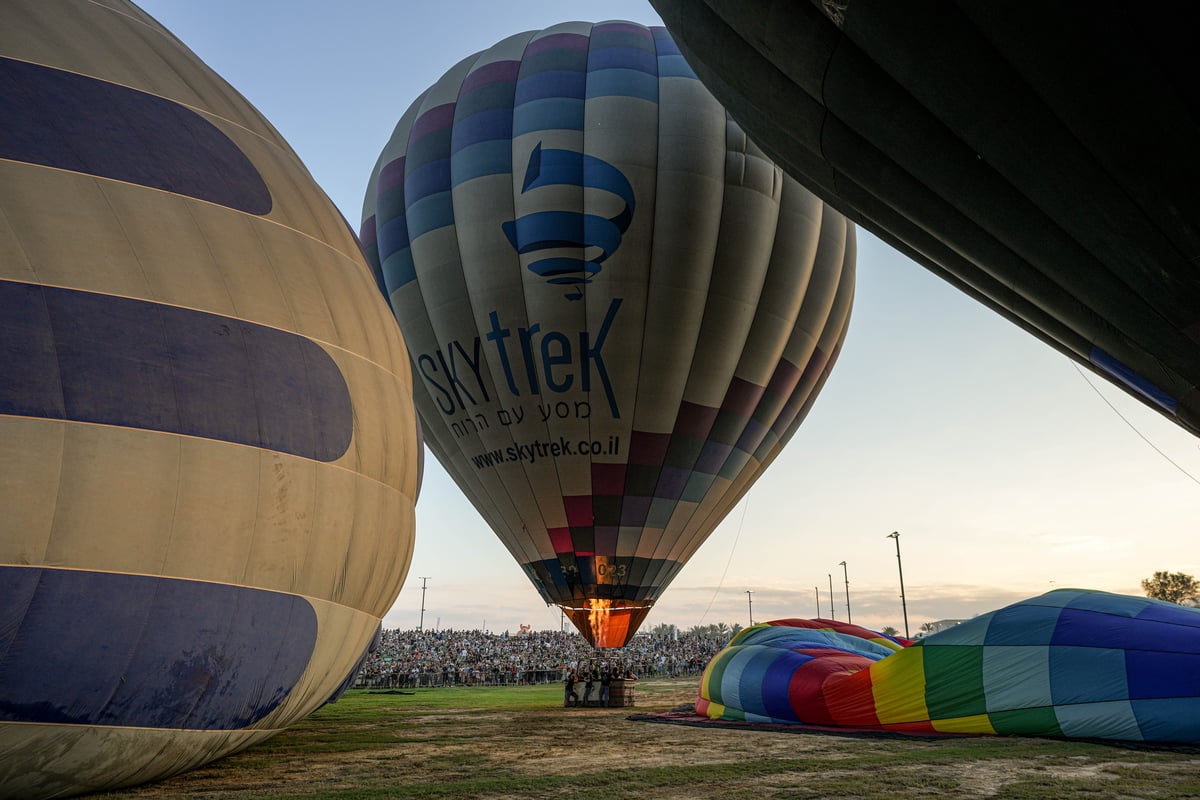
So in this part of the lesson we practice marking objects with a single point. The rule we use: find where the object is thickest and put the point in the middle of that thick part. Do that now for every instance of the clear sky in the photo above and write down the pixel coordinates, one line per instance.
(1005, 470)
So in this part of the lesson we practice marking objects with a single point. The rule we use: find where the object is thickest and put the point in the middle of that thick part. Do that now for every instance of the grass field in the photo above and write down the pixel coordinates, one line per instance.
(498, 742)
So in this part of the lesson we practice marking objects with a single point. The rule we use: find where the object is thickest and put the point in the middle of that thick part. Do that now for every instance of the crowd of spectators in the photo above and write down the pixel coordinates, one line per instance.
(406, 659)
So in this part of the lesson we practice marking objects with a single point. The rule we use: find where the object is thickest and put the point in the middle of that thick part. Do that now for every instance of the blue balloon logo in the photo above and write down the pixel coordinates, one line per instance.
(555, 230)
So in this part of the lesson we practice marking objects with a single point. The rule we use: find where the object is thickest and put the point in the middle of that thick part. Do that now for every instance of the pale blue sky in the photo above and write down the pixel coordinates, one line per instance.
(1004, 470)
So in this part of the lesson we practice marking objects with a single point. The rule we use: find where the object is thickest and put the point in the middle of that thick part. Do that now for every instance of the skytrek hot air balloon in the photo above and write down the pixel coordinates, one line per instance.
(618, 310)
(208, 449)
(1072, 663)
(1044, 164)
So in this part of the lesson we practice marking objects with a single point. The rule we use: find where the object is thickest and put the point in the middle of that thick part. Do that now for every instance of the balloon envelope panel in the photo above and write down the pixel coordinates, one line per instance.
(617, 308)
(209, 453)
(1070, 663)
(1046, 170)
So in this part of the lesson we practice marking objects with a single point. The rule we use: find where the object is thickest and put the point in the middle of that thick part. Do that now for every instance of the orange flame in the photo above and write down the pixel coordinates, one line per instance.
(608, 623)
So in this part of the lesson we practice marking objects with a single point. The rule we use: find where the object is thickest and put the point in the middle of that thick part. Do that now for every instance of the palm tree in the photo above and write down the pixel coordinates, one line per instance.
(888, 630)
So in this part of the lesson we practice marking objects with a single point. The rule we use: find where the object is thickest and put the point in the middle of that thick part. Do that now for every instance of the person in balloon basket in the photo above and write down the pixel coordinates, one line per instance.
(570, 698)
(589, 685)
(605, 686)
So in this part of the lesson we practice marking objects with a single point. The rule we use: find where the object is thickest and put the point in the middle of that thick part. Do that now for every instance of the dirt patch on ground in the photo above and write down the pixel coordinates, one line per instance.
(604, 753)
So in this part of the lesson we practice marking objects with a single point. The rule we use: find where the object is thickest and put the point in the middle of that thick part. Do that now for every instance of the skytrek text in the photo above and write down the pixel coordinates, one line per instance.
(547, 448)
(554, 362)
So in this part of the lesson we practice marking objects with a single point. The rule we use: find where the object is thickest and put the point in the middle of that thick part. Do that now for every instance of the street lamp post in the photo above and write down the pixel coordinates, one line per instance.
(817, 592)
(900, 565)
(750, 601)
(421, 624)
(846, 575)
(832, 613)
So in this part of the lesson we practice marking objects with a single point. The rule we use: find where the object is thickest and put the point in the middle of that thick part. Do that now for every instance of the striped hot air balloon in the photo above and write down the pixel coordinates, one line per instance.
(618, 310)
(208, 449)
(1071, 663)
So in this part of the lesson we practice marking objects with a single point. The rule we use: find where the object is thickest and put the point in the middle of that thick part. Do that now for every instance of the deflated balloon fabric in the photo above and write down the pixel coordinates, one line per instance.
(1071, 663)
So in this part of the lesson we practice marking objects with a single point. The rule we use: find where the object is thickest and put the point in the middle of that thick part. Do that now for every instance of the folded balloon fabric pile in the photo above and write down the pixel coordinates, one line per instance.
(1071, 663)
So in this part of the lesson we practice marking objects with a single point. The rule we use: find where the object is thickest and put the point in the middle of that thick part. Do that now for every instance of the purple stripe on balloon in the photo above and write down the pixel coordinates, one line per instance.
(63, 120)
(161, 653)
(634, 511)
(94, 358)
(606, 541)
(752, 436)
(608, 479)
(552, 85)
(623, 27)
(366, 232)
(492, 72)
(671, 482)
(742, 397)
(648, 448)
(694, 421)
(622, 58)
(712, 456)
(438, 118)
(557, 41)
(391, 176)
(490, 125)
(783, 381)
(803, 392)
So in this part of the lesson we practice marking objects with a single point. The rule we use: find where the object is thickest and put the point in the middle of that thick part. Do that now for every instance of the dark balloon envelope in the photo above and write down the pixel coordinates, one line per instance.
(209, 455)
(618, 310)
(1043, 161)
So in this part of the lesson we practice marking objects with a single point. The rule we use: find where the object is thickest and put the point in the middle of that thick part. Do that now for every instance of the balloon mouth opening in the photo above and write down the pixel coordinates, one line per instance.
(608, 623)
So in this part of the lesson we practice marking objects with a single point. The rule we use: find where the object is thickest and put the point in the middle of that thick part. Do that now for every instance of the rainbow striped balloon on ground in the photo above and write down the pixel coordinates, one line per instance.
(618, 309)
(1070, 663)
(208, 451)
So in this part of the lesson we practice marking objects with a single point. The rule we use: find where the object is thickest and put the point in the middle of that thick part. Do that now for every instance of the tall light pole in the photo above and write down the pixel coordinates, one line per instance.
(846, 575)
(750, 601)
(817, 592)
(832, 613)
(421, 624)
(900, 565)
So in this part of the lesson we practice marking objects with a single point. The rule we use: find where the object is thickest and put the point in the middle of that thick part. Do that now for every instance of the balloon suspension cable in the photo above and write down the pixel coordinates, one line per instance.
(1170, 460)
(720, 583)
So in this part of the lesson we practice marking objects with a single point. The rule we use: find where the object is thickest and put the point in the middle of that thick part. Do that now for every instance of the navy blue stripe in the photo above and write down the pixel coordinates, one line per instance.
(97, 648)
(560, 585)
(622, 58)
(1132, 380)
(426, 180)
(67, 354)
(491, 125)
(73, 122)
(541, 85)
(392, 237)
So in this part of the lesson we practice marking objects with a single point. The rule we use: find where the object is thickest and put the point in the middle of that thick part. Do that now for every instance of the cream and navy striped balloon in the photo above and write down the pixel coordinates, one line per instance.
(208, 449)
(617, 308)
